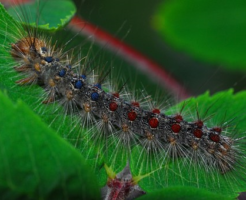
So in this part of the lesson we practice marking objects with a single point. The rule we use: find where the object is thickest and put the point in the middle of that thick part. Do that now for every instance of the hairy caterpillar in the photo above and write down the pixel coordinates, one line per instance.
(170, 139)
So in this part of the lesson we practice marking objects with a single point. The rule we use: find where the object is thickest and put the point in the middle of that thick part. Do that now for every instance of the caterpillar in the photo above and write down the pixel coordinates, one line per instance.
(169, 141)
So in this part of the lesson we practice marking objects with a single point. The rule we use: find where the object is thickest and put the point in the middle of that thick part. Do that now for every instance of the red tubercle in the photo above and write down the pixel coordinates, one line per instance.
(214, 137)
(153, 122)
(176, 128)
(199, 123)
(178, 118)
(132, 115)
(113, 106)
(198, 133)
(217, 129)
(156, 111)
(135, 103)
(116, 94)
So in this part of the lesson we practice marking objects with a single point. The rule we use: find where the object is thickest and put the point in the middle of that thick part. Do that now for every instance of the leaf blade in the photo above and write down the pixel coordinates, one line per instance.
(37, 161)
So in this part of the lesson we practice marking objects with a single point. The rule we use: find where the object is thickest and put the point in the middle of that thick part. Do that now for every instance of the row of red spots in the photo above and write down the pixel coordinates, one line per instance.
(153, 122)
(213, 136)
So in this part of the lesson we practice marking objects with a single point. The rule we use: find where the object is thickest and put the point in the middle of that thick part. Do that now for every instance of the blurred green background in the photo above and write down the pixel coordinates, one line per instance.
(119, 17)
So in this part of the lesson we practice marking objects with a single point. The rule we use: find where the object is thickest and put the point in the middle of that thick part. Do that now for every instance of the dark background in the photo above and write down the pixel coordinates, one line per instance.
(131, 21)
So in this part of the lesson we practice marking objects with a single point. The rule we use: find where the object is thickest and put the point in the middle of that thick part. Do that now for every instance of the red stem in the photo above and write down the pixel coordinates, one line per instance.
(131, 55)
(13, 2)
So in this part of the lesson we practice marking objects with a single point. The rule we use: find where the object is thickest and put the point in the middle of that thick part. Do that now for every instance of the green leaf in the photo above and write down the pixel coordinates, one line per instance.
(49, 14)
(209, 30)
(69, 128)
(184, 193)
(37, 163)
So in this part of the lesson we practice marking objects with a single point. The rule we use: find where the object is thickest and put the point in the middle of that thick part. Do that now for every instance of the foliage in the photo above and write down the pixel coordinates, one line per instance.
(210, 30)
(54, 15)
(58, 170)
